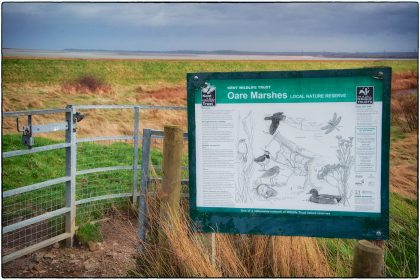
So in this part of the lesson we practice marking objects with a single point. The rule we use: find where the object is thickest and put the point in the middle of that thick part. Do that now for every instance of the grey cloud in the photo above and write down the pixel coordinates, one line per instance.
(263, 26)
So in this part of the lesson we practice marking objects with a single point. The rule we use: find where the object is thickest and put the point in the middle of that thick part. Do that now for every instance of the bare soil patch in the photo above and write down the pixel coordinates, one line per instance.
(87, 84)
(114, 256)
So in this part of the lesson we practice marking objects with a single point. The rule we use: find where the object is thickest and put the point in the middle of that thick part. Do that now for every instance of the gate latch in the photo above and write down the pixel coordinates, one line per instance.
(29, 130)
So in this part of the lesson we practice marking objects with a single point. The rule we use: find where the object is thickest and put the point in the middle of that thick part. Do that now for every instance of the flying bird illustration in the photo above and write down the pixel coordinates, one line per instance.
(275, 121)
(271, 173)
(263, 160)
(332, 124)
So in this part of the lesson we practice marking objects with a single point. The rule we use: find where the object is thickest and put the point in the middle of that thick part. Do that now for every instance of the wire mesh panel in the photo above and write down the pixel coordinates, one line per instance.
(156, 157)
(32, 234)
(33, 168)
(30, 204)
(104, 183)
(33, 207)
(96, 154)
(97, 210)
(104, 162)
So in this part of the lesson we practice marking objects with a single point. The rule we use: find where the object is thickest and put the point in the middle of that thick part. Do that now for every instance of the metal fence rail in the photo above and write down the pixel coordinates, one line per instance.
(97, 172)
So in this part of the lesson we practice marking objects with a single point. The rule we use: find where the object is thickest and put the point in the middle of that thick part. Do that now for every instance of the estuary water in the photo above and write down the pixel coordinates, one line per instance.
(168, 56)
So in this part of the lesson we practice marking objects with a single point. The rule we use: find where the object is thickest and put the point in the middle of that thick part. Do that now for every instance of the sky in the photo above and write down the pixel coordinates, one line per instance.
(265, 27)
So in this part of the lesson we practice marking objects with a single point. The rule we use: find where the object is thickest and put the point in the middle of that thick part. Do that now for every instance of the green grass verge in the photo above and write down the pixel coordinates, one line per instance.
(401, 250)
(396, 133)
(89, 232)
(153, 72)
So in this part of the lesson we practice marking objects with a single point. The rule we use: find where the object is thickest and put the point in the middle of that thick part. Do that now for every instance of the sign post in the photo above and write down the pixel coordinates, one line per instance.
(299, 153)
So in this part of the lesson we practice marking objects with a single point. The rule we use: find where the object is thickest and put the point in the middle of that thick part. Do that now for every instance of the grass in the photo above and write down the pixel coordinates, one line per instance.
(404, 111)
(401, 250)
(89, 232)
(44, 83)
(186, 253)
(155, 72)
(41, 83)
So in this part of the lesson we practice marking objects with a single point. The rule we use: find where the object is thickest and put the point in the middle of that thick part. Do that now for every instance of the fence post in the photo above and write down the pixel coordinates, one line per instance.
(136, 152)
(172, 163)
(71, 172)
(368, 260)
(171, 182)
(145, 161)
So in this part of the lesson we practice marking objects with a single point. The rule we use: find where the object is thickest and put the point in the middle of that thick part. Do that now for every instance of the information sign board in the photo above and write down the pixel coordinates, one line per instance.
(290, 153)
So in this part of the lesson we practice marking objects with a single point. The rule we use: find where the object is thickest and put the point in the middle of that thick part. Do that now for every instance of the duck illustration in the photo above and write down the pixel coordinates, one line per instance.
(271, 173)
(323, 198)
(263, 160)
(275, 121)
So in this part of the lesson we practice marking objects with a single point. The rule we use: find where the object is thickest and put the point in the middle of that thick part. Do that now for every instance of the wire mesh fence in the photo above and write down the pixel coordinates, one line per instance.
(96, 154)
(37, 186)
(27, 205)
(32, 168)
(32, 234)
(98, 210)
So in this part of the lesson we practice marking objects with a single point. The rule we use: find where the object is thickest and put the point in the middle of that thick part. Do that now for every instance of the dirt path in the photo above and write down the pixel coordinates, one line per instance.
(114, 256)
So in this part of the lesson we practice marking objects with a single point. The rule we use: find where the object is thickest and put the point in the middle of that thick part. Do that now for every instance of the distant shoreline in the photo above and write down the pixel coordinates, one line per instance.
(181, 55)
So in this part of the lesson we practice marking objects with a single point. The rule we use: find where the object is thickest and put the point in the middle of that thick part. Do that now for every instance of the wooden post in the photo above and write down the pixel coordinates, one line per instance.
(368, 260)
(170, 193)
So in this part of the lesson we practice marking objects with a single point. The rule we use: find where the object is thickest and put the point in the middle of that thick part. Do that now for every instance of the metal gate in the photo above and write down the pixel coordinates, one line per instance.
(95, 172)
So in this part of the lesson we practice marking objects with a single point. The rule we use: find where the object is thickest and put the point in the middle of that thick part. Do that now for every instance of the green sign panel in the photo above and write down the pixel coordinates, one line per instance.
(290, 153)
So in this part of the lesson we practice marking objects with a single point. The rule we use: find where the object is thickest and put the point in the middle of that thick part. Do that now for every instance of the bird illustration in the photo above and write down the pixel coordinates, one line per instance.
(275, 121)
(263, 160)
(332, 124)
(265, 191)
(323, 198)
(271, 173)
(242, 150)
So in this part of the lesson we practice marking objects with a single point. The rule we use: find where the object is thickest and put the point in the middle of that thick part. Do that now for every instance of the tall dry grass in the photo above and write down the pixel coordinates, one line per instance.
(404, 80)
(404, 111)
(185, 253)
(403, 169)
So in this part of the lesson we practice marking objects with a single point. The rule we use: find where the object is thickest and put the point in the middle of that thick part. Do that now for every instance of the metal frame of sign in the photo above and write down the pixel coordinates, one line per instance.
(337, 226)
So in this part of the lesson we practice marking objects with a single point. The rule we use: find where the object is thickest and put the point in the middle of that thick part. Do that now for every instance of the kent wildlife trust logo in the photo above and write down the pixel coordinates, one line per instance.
(208, 95)
(364, 95)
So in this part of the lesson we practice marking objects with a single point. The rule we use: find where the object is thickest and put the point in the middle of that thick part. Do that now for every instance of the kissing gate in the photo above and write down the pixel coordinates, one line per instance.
(52, 186)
